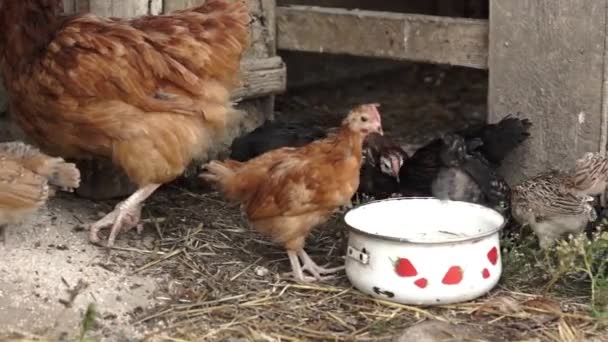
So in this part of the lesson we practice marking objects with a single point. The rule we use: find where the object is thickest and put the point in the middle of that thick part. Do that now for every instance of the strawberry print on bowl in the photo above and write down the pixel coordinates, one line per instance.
(453, 276)
(493, 255)
(405, 268)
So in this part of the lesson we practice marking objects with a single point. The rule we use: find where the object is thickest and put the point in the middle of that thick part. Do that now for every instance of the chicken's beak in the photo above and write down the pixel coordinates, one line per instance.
(395, 168)
(379, 130)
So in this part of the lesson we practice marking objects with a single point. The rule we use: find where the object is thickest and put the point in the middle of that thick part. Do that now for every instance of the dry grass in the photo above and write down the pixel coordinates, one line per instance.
(226, 281)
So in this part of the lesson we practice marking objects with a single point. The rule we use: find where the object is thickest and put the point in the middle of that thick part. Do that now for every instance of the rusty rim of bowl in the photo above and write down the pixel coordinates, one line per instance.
(445, 241)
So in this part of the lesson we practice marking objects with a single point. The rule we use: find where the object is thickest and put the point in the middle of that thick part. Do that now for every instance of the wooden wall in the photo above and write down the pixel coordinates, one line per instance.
(548, 61)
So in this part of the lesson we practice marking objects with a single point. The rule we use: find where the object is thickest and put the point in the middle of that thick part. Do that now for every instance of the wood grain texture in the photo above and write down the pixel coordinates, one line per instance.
(261, 77)
(422, 38)
(114, 8)
(546, 60)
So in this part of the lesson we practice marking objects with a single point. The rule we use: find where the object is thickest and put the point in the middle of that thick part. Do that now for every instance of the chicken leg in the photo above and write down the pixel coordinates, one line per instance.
(125, 216)
(308, 265)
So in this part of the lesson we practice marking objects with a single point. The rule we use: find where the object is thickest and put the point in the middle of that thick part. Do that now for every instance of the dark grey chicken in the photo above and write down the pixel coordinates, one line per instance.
(469, 178)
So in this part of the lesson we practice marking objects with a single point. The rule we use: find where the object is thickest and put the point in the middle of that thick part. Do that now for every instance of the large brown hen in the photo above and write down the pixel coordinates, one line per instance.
(150, 93)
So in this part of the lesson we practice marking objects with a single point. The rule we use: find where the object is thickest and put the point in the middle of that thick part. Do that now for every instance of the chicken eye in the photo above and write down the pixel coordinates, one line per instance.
(385, 166)
(364, 118)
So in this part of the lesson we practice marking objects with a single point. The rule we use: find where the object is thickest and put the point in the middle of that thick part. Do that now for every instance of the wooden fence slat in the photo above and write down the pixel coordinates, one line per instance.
(422, 38)
(261, 77)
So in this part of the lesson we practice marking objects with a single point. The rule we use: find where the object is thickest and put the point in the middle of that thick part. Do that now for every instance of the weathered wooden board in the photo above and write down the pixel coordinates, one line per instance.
(453, 8)
(261, 77)
(547, 61)
(422, 38)
(114, 8)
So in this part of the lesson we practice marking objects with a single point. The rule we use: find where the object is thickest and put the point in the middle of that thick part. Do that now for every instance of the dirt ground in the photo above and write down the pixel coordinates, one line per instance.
(197, 273)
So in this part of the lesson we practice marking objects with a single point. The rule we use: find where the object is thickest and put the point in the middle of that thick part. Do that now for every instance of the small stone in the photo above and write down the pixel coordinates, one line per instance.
(261, 271)
(435, 331)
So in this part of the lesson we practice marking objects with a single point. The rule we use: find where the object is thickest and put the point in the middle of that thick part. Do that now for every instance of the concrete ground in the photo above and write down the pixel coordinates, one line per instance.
(50, 273)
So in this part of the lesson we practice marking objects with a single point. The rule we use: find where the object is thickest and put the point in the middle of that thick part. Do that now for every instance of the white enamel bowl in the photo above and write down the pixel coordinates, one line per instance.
(423, 251)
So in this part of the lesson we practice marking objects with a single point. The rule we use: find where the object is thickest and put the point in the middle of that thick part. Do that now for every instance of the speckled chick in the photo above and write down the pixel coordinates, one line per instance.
(550, 208)
(589, 176)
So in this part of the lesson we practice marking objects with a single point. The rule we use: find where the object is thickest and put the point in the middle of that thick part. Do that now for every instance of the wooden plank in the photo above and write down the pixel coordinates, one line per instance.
(69, 6)
(119, 8)
(114, 8)
(261, 77)
(546, 60)
(422, 38)
(173, 5)
(410, 6)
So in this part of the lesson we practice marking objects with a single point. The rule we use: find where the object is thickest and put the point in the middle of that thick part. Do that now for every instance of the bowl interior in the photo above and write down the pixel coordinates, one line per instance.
(424, 220)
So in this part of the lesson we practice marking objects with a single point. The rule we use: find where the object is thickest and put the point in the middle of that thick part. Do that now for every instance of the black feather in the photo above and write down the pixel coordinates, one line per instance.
(273, 135)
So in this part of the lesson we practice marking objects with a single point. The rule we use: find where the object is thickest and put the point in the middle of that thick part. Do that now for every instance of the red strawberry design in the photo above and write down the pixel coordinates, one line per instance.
(485, 273)
(493, 255)
(405, 268)
(421, 283)
(453, 276)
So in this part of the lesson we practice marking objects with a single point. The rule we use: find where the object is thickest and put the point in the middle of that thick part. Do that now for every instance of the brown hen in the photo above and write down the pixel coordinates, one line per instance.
(286, 192)
(27, 179)
(151, 93)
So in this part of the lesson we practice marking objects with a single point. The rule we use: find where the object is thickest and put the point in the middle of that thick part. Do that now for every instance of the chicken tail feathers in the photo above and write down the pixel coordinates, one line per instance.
(221, 176)
(503, 137)
(57, 171)
(61, 174)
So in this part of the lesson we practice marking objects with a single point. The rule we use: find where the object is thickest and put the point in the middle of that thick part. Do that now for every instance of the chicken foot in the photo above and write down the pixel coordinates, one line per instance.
(308, 265)
(126, 215)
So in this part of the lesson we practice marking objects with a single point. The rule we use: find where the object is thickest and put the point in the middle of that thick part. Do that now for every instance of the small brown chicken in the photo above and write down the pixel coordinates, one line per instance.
(286, 192)
(27, 179)
(151, 93)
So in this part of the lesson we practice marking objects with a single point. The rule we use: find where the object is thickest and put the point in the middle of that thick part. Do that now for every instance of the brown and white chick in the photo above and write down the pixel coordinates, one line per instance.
(590, 175)
(27, 179)
(550, 208)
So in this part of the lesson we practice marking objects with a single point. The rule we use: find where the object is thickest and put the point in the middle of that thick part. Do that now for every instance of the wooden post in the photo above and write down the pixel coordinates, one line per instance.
(547, 60)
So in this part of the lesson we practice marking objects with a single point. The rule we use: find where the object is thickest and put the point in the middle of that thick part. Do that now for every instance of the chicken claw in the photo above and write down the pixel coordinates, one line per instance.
(308, 265)
(126, 215)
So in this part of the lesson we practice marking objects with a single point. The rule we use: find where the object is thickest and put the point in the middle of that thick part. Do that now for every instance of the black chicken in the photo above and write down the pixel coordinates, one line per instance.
(272, 135)
(382, 164)
(488, 145)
